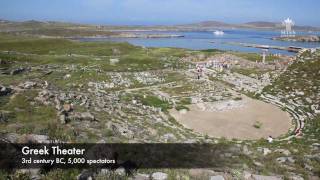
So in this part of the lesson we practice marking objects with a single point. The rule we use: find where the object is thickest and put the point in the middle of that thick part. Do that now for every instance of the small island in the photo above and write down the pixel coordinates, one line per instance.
(305, 38)
(140, 35)
(119, 35)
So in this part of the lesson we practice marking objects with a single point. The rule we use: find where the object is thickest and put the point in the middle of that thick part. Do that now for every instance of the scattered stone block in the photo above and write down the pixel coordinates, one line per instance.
(159, 176)
(17, 71)
(4, 90)
(219, 177)
(259, 177)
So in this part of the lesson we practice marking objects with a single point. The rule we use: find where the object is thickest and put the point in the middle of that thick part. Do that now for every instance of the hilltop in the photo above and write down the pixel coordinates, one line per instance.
(249, 25)
(40, 27)
(53, 29)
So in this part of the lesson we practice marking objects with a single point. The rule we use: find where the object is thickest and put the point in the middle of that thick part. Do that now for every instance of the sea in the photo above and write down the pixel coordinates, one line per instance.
(203, 40)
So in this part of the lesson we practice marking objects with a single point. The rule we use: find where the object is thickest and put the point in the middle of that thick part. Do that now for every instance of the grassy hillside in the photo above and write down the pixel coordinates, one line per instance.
(61, 51)
(300, 83)
(299, 88)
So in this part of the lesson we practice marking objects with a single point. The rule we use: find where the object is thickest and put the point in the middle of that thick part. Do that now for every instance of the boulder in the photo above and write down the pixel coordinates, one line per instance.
(119, 129)
(246, 150)
(114, 61)
(58, 105)
(27, 85)
(247, 175)
(44, 97)
(285, 159)
(259, 177)
(34, 138)
(219, 177)
(4, 90)
(283, 151)
(140, 176)
(266, 151)
(120, 171)
(296, 177)
(62, 97)
(316, 145)
(63, 119)
(290, 159)
(10, 137)
(159, 176)
(67, 76)
(17, 71)
(33, 174)
(169, 137)
(86, 116)
(183, 111)
(259, 164)
(104, 172)
(85, 175)
(281, 159)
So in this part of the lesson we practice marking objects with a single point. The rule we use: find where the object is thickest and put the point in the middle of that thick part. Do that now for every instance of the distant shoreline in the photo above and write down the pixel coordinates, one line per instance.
(307, 38)
(121, 35)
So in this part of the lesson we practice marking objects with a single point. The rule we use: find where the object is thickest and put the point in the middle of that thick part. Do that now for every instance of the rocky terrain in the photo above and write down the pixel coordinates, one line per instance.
(60, 90)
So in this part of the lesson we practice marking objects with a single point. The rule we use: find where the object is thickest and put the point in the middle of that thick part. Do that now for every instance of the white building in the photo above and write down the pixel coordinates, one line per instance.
(288, 32)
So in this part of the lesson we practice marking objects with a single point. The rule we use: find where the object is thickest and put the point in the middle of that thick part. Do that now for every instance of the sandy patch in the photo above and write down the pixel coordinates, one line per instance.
(235, 119)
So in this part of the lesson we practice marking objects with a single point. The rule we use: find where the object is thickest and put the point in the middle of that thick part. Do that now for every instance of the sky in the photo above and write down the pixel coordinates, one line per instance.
(161, 12)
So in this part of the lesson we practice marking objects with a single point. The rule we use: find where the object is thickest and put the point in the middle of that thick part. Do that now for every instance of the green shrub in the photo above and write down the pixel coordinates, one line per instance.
(185, 101)
(257, 125)
(156, 102)
(181, 107)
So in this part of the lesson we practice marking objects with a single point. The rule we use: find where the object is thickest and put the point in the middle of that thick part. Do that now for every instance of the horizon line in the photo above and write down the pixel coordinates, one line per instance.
(149, 24)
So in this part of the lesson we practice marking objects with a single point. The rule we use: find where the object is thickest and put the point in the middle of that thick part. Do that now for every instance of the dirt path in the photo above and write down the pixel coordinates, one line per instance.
(237, 122)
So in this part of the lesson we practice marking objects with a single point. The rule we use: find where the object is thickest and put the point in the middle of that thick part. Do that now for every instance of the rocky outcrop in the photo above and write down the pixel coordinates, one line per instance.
(17, 71)
(4, 90)
(27, 85)
(45, 97)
